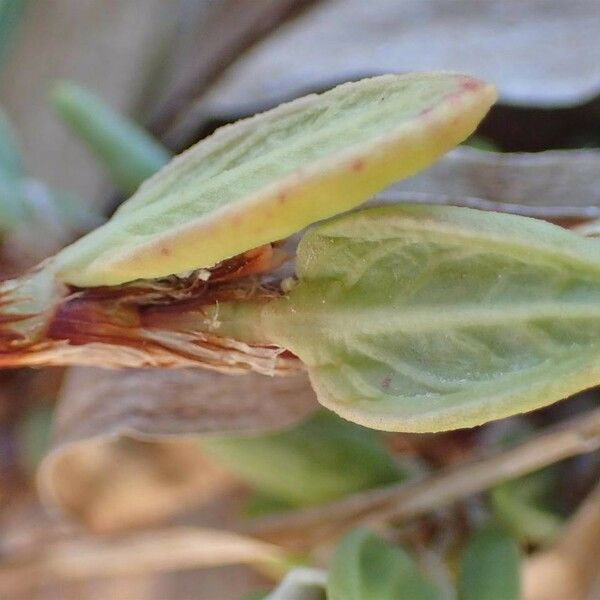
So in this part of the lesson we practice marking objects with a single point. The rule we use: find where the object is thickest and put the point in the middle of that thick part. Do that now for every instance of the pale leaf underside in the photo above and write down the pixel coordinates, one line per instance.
(421, 318)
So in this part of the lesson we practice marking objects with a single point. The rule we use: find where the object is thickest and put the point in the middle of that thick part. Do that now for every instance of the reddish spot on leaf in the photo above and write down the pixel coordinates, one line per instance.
(165, 251)
(357, 165)
(385, 384)
(470, 84)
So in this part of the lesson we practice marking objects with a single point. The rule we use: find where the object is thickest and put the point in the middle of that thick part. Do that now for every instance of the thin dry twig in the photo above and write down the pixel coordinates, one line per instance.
(149, 552)
(404, 501)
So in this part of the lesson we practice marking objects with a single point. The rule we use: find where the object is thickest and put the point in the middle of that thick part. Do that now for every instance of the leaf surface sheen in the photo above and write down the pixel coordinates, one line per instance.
(423, 318)
(267, 177)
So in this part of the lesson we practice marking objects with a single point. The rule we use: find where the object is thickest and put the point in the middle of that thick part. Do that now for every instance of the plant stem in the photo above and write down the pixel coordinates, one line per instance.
(166, 324)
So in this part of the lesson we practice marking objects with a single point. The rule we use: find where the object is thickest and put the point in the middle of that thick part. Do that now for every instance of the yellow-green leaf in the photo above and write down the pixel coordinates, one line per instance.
(264, 178)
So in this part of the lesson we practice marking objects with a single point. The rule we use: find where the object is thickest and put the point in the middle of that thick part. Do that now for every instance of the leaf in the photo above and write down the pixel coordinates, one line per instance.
(336, 41)
(267, 177)
(114, 462)
(129, 154)
(517, 506)
(553, 184)
(491, 567)
(424, 318)
(366, 567)
(526, 506)
(321, 459)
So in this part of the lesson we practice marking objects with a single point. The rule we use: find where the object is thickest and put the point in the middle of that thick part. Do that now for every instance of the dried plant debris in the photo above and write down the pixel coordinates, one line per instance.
(569, 568)
(185, 401)
(120, 455)
(189, 547)
(110, 484)
(512, 45)
(559, 185)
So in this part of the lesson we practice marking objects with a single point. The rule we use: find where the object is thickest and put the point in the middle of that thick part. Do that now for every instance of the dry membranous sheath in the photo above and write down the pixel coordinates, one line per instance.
(406, 317)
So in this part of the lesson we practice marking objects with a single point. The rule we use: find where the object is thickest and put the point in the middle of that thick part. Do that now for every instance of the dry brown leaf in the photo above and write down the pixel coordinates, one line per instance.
(37, 552)
(512, 44)
(114, 484)
(145, 403)
(571, 567)
(211, 35)
(560, 184)
(115, 462)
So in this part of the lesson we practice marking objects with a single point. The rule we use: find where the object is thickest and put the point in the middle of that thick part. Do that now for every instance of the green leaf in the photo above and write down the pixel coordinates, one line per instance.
(366, 567)
(527, 507)
(267, 177)
(319, 460)
(129, 154)
(519, 508)
(423, 318)
(491, 567)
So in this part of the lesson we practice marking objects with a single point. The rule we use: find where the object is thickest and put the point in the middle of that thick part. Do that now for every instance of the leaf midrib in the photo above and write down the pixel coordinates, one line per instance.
(385, 320)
